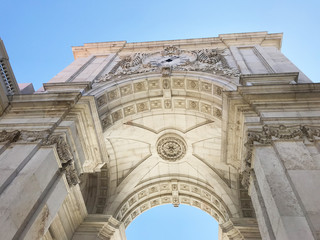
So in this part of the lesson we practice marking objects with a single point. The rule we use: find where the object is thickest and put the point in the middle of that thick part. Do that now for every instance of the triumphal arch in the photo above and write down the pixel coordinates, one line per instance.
(225, 124)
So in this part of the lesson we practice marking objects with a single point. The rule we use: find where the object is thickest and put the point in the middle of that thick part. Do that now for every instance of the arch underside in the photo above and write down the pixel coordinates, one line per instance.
(135, 113)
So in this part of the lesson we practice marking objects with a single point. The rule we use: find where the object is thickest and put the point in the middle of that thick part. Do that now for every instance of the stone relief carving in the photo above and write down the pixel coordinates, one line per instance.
(172, 58)
(9, 136)
(170, 51)
(171, 147)
(270, 133)
(66, 157)
(33, 136)
(24, 136)
(63, 148)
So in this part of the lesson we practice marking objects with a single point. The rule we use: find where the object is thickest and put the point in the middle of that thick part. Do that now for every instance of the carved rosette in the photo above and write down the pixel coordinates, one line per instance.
(270, 133)
(172, 58)
(171, 147)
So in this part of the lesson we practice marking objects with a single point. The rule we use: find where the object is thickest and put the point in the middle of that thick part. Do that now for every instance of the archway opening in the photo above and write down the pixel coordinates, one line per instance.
(168, 222)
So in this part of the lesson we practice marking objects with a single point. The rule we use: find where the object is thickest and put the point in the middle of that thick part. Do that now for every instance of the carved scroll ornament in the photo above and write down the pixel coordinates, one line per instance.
(267, 135)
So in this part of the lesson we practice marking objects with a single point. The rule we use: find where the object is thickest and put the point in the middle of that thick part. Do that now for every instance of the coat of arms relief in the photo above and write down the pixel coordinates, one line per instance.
(172, 59)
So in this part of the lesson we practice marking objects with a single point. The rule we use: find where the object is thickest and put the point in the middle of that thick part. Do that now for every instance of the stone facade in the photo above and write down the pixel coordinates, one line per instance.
(226, 124)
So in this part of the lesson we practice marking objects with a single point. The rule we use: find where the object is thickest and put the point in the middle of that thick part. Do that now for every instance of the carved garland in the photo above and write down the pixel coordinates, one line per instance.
(269, 134)
(63, 148)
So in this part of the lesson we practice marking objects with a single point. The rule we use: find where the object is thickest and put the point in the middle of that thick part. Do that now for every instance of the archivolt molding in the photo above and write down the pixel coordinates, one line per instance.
(271, 133)
(174, 192)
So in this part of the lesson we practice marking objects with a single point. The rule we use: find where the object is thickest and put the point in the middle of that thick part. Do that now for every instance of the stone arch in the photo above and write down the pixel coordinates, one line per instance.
(128, 108)
(163, 192)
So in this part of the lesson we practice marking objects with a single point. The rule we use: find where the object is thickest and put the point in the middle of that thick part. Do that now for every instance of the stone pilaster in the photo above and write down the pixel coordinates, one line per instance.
(280, 162)
(276, 131)
(287, 175)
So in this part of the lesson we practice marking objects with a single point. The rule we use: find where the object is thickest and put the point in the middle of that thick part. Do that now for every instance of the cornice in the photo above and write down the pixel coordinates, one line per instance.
(222, 41)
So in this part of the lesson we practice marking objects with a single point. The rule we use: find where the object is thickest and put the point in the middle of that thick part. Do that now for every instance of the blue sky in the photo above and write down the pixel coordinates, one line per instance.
(39, 34)
(168, 222)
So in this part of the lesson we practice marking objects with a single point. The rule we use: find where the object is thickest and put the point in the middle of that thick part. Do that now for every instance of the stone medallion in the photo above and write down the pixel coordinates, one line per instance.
(171, 147)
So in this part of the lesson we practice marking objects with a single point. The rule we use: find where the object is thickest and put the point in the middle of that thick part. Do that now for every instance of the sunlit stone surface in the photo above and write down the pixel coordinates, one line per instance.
(225, 124)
